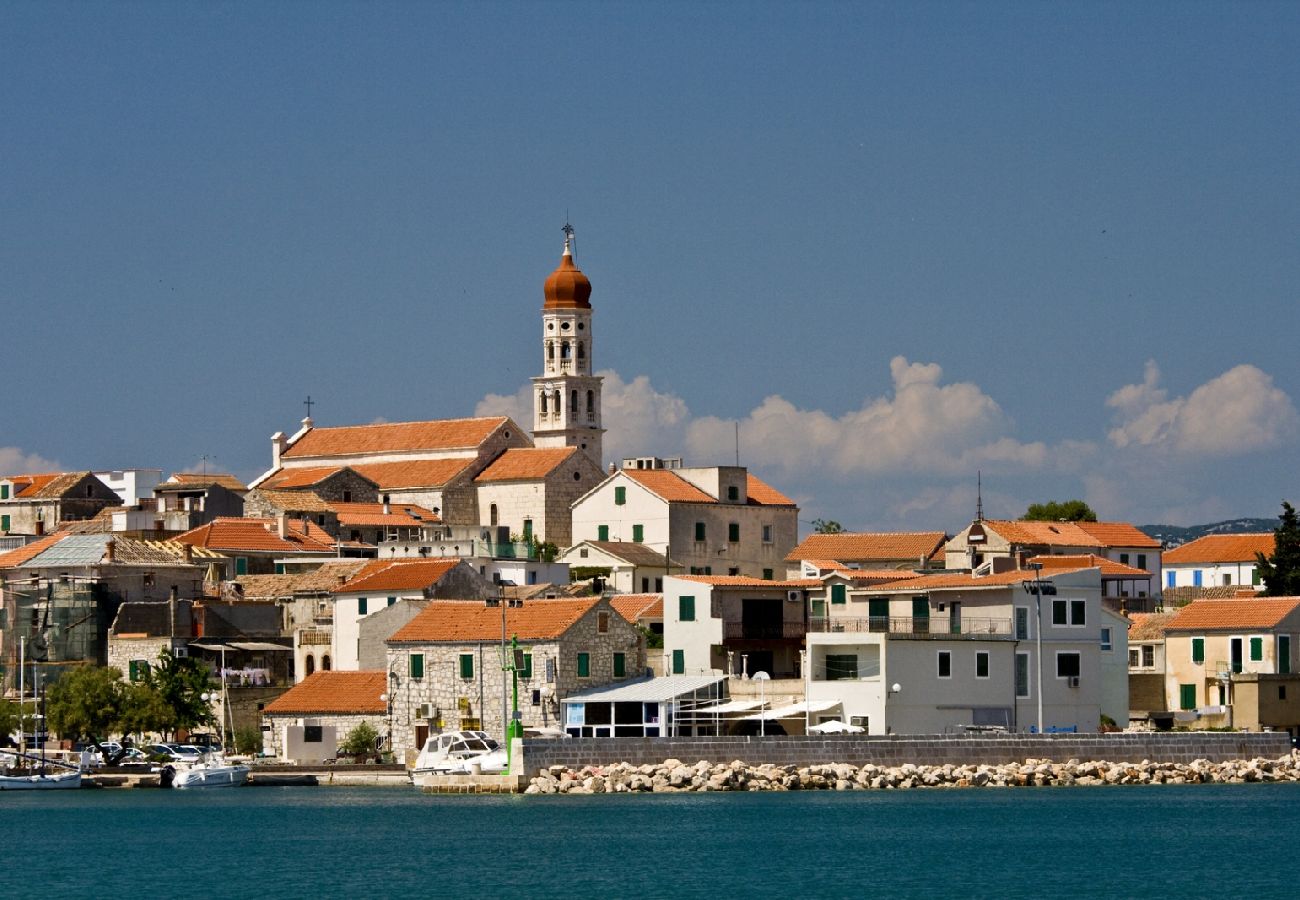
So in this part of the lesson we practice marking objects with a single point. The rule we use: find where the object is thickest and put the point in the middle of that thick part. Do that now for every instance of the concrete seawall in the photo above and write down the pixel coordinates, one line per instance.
(896, 750)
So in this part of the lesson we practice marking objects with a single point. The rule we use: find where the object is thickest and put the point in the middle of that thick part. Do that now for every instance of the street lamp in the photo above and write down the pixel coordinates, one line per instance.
(762, 678)
(1038, 588)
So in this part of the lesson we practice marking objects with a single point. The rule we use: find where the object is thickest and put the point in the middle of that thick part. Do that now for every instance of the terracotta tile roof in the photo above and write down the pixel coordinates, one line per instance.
(667, 485)
(14, 558)
(344, 693)
(869, 546)
(25, 486)
(638, 606)
(1247, 613)
(259, 535)
(746, 581)
(318, 581)
(631, 552)
(1050, 534)
(877, 576)
(465, 621)
(1149, 626)
(297, 478)
(199, 479)
(1109, 568)
(1119, 534)
(373, 515)
(418, 473)
(1185, 594)
(293, 501)
(398, 575)
(965, 581)
(760, 493)
(526, 463)
(395, 437)
(1221, 548)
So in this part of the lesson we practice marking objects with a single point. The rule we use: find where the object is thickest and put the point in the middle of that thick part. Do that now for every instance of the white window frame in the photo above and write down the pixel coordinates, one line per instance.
(938, 672)
(1057, 669)
(1107, 639)
(1069, 612)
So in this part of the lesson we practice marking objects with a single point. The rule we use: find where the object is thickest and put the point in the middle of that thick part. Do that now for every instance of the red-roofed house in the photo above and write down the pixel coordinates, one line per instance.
(529, 492)
(706, 520)
(866, 550)
(1234, 663)
(36, 504)
(256, 544)
(309, 721)
(1217, 560)
(447, 662)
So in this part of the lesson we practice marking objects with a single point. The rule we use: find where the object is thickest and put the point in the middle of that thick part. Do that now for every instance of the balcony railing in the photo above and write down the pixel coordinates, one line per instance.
(914, 628)
(774, 631)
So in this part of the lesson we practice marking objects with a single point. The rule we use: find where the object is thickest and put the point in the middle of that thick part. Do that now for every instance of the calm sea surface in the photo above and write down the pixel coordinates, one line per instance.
(1168, 841)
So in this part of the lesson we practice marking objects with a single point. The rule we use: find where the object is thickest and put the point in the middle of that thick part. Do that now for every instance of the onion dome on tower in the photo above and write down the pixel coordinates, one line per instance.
(567, 287)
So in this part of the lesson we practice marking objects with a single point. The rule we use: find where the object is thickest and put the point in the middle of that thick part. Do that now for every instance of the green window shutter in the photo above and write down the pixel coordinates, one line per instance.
(686, 609)
(1198, 650)
(708, 570)
(241, 565)
(1255, 578)
(467, 666)
(584, 665)
(602, 532)
(679, 662)
(392, 600)
(620, 665)
(133, 668)
(1187, 696)
(733, 532)
(363, 606)
(1256, 649)
(878, 608)
(767, 574)
(4, 492)
(839, 596)
(417, 665)
(4, 523)
(1284, 654)
(920, 608)
(527, 671)
(638, 533)
(620, 496)
(528, 529)
(279, 568)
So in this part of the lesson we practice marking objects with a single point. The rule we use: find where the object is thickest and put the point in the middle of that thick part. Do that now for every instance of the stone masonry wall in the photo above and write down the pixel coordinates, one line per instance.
(895, 750)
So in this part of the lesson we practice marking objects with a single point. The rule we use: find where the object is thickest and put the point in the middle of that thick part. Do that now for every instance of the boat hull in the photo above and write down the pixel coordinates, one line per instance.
(201, 777)
(61, 781)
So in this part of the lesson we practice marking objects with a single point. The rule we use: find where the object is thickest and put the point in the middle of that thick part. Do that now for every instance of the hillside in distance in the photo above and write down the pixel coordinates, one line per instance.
(1173, 535)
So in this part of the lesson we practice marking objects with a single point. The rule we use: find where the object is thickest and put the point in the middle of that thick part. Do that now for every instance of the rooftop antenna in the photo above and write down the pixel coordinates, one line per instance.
(737, 424)
(979, 496)
(205, 464)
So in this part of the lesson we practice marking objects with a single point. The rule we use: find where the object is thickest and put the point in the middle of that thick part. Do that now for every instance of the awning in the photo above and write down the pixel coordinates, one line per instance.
(242, 645)
(729, 706)
(793, 710)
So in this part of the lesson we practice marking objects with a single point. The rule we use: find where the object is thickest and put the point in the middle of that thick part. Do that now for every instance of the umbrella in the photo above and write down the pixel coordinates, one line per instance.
(835, 726)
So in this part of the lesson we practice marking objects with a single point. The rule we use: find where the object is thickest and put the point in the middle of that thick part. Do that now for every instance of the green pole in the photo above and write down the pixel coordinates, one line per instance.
(516, 727)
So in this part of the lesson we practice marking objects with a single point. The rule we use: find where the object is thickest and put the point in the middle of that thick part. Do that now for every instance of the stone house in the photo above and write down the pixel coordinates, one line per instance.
(445, 665)
(306, 723)
(629, 567)
(191, 502)
(255, 545)
(387, 523)
(265, 503)
(144, 628)
(528, 492)
(1146, 664)
(37, 504)
(901, 550)
(332, 484)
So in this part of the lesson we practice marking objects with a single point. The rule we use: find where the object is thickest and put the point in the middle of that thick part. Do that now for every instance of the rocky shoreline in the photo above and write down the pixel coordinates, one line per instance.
(674, 776)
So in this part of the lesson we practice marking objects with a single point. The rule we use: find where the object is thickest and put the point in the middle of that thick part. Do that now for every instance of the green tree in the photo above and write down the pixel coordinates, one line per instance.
(180, 682)
(1054, 511)
(360, 741)
(85, 703)
(827, 526)
(143, 710)
(1281, 571)
(10, 718)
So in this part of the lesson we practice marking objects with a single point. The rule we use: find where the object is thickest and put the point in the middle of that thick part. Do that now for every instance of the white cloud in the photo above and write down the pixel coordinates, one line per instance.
(14, 461)
(1238, 412)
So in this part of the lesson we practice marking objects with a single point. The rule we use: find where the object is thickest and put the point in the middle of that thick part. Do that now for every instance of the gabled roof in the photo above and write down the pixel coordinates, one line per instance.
(20, 555)
(318, 581)
(638, 606)
(667, 485)
(1149, 626)
(395, 437)
(373, 515)
(343, 693)
(869, 546)
(526, 464)
(1048, 534)
(1109, 568)
(725, 581)
(1119, 534)
(294, 501)
(193, 480)
(1221, 548)
(298, 477)
(464, 621)
(966, 581)
(1247, 613)
(398, 575)
(630, 552)
(259, 535)
(760, 493)
(92, 550)
(45, 486)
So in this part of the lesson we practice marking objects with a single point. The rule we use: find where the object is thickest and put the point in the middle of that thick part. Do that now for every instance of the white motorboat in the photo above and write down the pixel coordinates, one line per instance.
(460, 753)
(211, 772)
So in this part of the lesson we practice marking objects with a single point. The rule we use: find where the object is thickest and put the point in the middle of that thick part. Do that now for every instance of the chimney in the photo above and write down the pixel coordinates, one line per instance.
(110, 550)
(188, 552)
(613, 469)
(282, 526)
(278, 445)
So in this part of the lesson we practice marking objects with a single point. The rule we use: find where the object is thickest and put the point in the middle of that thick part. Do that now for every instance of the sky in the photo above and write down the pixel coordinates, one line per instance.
(876, 248)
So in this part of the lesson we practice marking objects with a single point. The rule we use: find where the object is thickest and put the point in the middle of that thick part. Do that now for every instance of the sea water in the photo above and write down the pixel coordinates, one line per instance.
(1158, 841)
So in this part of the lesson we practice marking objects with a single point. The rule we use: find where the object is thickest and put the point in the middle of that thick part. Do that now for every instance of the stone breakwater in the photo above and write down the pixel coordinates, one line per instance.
(675, 776)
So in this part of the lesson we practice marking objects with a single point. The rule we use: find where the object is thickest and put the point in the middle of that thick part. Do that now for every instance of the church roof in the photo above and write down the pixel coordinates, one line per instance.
(567, 287)
(526, 463)
(395, 437)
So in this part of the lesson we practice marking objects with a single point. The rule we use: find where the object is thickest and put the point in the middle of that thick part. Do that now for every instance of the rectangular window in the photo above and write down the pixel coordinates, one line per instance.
(620, 665)
(602, 532)
(767, 534)
(620, 496)
(1148, 655)
(686, 609)
(1106, 640)
(138, 669)
(841, 666)
(701, 531)
(1187, 696)
(392, 600)
(526, 671)
(679, 662)
(1022, 675)
(1123, 559)
(1067, 665)
(878, 614)
(467, 666)
(1198, 650)
(1060, 612)
(1196, 578)
(767, 574)
(363, 606)
(1078, 610)
(638, 533)
(584, 665)
(1171, 578)
(1142, 561)
(417, 665)
(945, 664)
(1256, 649)
(4, 492)
(602, 623)
(839, 595)
(241, 565)
(1284, 654)
(1022, 623)
(1134, 660)
(4, 523)
(733, 532)
(733, 493)
(982, 664)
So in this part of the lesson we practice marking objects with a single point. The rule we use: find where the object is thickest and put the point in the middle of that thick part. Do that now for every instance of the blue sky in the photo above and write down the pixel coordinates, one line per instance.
(899, 243)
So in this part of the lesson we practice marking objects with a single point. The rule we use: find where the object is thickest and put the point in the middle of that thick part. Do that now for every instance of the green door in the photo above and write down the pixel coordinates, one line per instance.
(878, 614)
(921, 615)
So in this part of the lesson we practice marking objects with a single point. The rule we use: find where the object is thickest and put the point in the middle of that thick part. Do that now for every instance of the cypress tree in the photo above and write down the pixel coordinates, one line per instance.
(1281, 571)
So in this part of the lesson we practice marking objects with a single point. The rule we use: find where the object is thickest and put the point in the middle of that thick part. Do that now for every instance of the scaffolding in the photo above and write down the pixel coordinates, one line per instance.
(63, 623)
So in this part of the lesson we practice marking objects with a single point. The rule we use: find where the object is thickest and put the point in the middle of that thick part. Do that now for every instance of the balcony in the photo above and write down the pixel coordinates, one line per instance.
(763, 631)
(910, 628)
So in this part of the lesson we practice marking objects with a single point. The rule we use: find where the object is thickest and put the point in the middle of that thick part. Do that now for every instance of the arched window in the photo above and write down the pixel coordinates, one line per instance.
(311, 664)
(325, 663)
(582, 351)
(591, 402)
(543, 399)
(493, 515)
(550, 349)
(564, 350)
(559, 404)
(573, 403)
